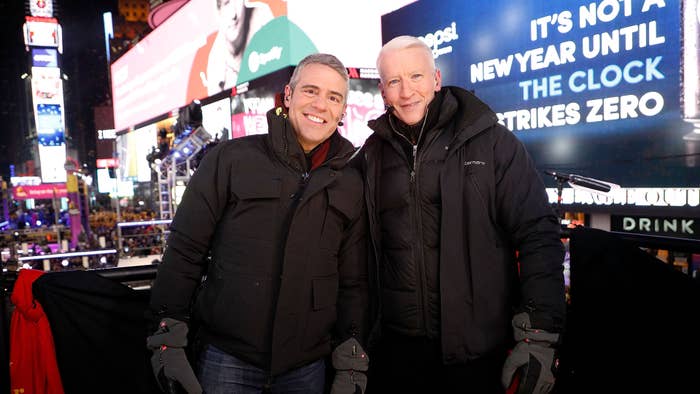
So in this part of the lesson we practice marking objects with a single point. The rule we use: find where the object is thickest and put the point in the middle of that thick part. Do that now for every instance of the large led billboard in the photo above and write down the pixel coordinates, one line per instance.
(42, 32)
(216, 118)
(201, 50)
(591, 87)
(195, 53)
(364, 104)
(132, 149)
(52, 160)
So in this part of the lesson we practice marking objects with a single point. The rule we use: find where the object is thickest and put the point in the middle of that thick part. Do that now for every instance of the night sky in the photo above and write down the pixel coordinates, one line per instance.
(83, 61)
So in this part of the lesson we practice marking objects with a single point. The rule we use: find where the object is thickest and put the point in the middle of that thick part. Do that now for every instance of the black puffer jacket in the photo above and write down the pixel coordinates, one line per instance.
(288, 250)
(490, 203)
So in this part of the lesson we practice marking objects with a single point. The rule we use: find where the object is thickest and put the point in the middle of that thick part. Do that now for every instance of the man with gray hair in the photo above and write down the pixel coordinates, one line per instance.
(277, 223)
(468, 255)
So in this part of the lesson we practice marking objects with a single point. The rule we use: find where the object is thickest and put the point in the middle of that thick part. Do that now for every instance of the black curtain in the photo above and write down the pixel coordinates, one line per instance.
(99, 328)
(633, 323)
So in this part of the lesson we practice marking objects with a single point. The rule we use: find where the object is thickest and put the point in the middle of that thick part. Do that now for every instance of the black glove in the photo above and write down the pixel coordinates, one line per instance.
(169, 360)
(350, 361)
(534, 356)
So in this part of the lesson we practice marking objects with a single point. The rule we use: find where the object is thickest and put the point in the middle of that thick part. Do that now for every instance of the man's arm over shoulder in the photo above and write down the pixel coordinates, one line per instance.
(192, 229)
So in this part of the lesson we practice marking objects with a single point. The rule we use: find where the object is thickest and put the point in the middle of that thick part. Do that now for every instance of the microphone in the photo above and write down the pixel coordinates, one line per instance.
(582, 181)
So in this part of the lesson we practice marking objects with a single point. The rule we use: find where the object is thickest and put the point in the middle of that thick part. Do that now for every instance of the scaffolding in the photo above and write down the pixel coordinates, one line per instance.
(175, 170)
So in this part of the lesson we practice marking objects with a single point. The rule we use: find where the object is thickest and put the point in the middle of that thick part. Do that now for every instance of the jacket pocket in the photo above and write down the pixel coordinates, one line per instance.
(237, 306)
(322, 316)
(257, 208)
(341, 210)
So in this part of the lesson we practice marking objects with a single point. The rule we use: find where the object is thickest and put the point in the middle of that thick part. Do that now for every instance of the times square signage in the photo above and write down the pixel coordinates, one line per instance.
(664, 226)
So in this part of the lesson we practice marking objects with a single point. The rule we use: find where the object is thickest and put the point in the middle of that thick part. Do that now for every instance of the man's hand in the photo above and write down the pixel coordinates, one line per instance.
(350, 361)
(169, 360)
(534, 356)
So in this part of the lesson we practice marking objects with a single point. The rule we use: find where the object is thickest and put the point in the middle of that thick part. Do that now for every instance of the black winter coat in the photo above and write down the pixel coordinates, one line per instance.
(492, 204)
(288, 250)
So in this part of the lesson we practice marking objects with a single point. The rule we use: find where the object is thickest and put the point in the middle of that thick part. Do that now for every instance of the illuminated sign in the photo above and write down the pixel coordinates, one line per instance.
(47, 86)
(216, 118)
(132, 150)
(42, 32)
(678, 227)
(44, 57)
(41, 8)
(49, 124)
(52, 159)
(108, 134)
(39, 191)
(25, 180)
(603, 85)
(640, 197)
(107, 163)
(364, 103)
(185, 58)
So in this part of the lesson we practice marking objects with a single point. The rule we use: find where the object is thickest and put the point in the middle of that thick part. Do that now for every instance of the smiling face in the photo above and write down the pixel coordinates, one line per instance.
(408, 82)
(316, 104)
(232, 22)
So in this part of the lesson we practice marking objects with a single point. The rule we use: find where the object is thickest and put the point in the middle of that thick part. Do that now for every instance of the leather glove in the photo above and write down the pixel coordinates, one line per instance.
(350, 361)
(534, 356)
(169, 360)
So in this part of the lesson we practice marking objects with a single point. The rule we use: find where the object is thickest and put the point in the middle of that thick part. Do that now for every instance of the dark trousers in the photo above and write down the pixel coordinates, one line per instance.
(414, 365)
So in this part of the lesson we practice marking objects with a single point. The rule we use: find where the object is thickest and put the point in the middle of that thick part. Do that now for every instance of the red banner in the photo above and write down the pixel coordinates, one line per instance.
(45, 191)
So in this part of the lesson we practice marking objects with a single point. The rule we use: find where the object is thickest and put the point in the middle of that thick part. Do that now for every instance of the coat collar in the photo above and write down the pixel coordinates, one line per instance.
(286, 147)
(471, 115)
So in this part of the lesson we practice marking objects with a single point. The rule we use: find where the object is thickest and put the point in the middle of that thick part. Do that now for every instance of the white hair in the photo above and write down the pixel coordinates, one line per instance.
(404, 42)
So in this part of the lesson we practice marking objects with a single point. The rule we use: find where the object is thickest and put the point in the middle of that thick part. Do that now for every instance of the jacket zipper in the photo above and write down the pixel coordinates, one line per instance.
(418, 222)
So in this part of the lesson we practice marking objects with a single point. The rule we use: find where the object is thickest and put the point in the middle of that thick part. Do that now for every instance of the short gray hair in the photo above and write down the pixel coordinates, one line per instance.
(319, 58)
(404, 42)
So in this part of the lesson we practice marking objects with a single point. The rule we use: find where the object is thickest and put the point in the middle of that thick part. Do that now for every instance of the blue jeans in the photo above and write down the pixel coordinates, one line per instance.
(222, 373)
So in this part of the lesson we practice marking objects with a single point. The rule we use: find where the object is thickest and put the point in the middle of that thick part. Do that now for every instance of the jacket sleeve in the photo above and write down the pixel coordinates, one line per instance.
(185, 257)
(353, 291)
(526, 216)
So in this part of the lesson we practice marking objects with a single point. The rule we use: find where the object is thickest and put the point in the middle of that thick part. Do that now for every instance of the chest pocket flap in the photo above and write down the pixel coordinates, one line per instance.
(344, 202)
(257, 188)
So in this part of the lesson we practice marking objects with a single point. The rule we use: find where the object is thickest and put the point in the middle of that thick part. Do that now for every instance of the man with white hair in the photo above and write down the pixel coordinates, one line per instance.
(468, 252)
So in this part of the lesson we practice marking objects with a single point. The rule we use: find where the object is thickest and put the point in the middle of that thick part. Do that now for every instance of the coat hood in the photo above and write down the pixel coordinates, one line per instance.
(470, 114)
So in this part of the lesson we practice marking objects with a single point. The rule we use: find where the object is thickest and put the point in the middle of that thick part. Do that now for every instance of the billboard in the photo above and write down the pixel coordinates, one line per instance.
(201, 49)
(52, 158)
(44, 57)
(216, 118)
(253, 99)
(41, 8)
(42, 32)
(364, 104)
(591, 87)
(132, 149)
(42, 191)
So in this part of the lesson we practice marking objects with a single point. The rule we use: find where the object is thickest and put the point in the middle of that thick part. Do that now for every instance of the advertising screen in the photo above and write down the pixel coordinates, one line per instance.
(364, 103)
(132, 149)
(41, 8)
(203, 49)
(42, 32)
(252, 101)
(216, 118)
(49, 126)
(597, 88)
(52, 160)
(44, 57)
(195, 53)
(47, 86)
